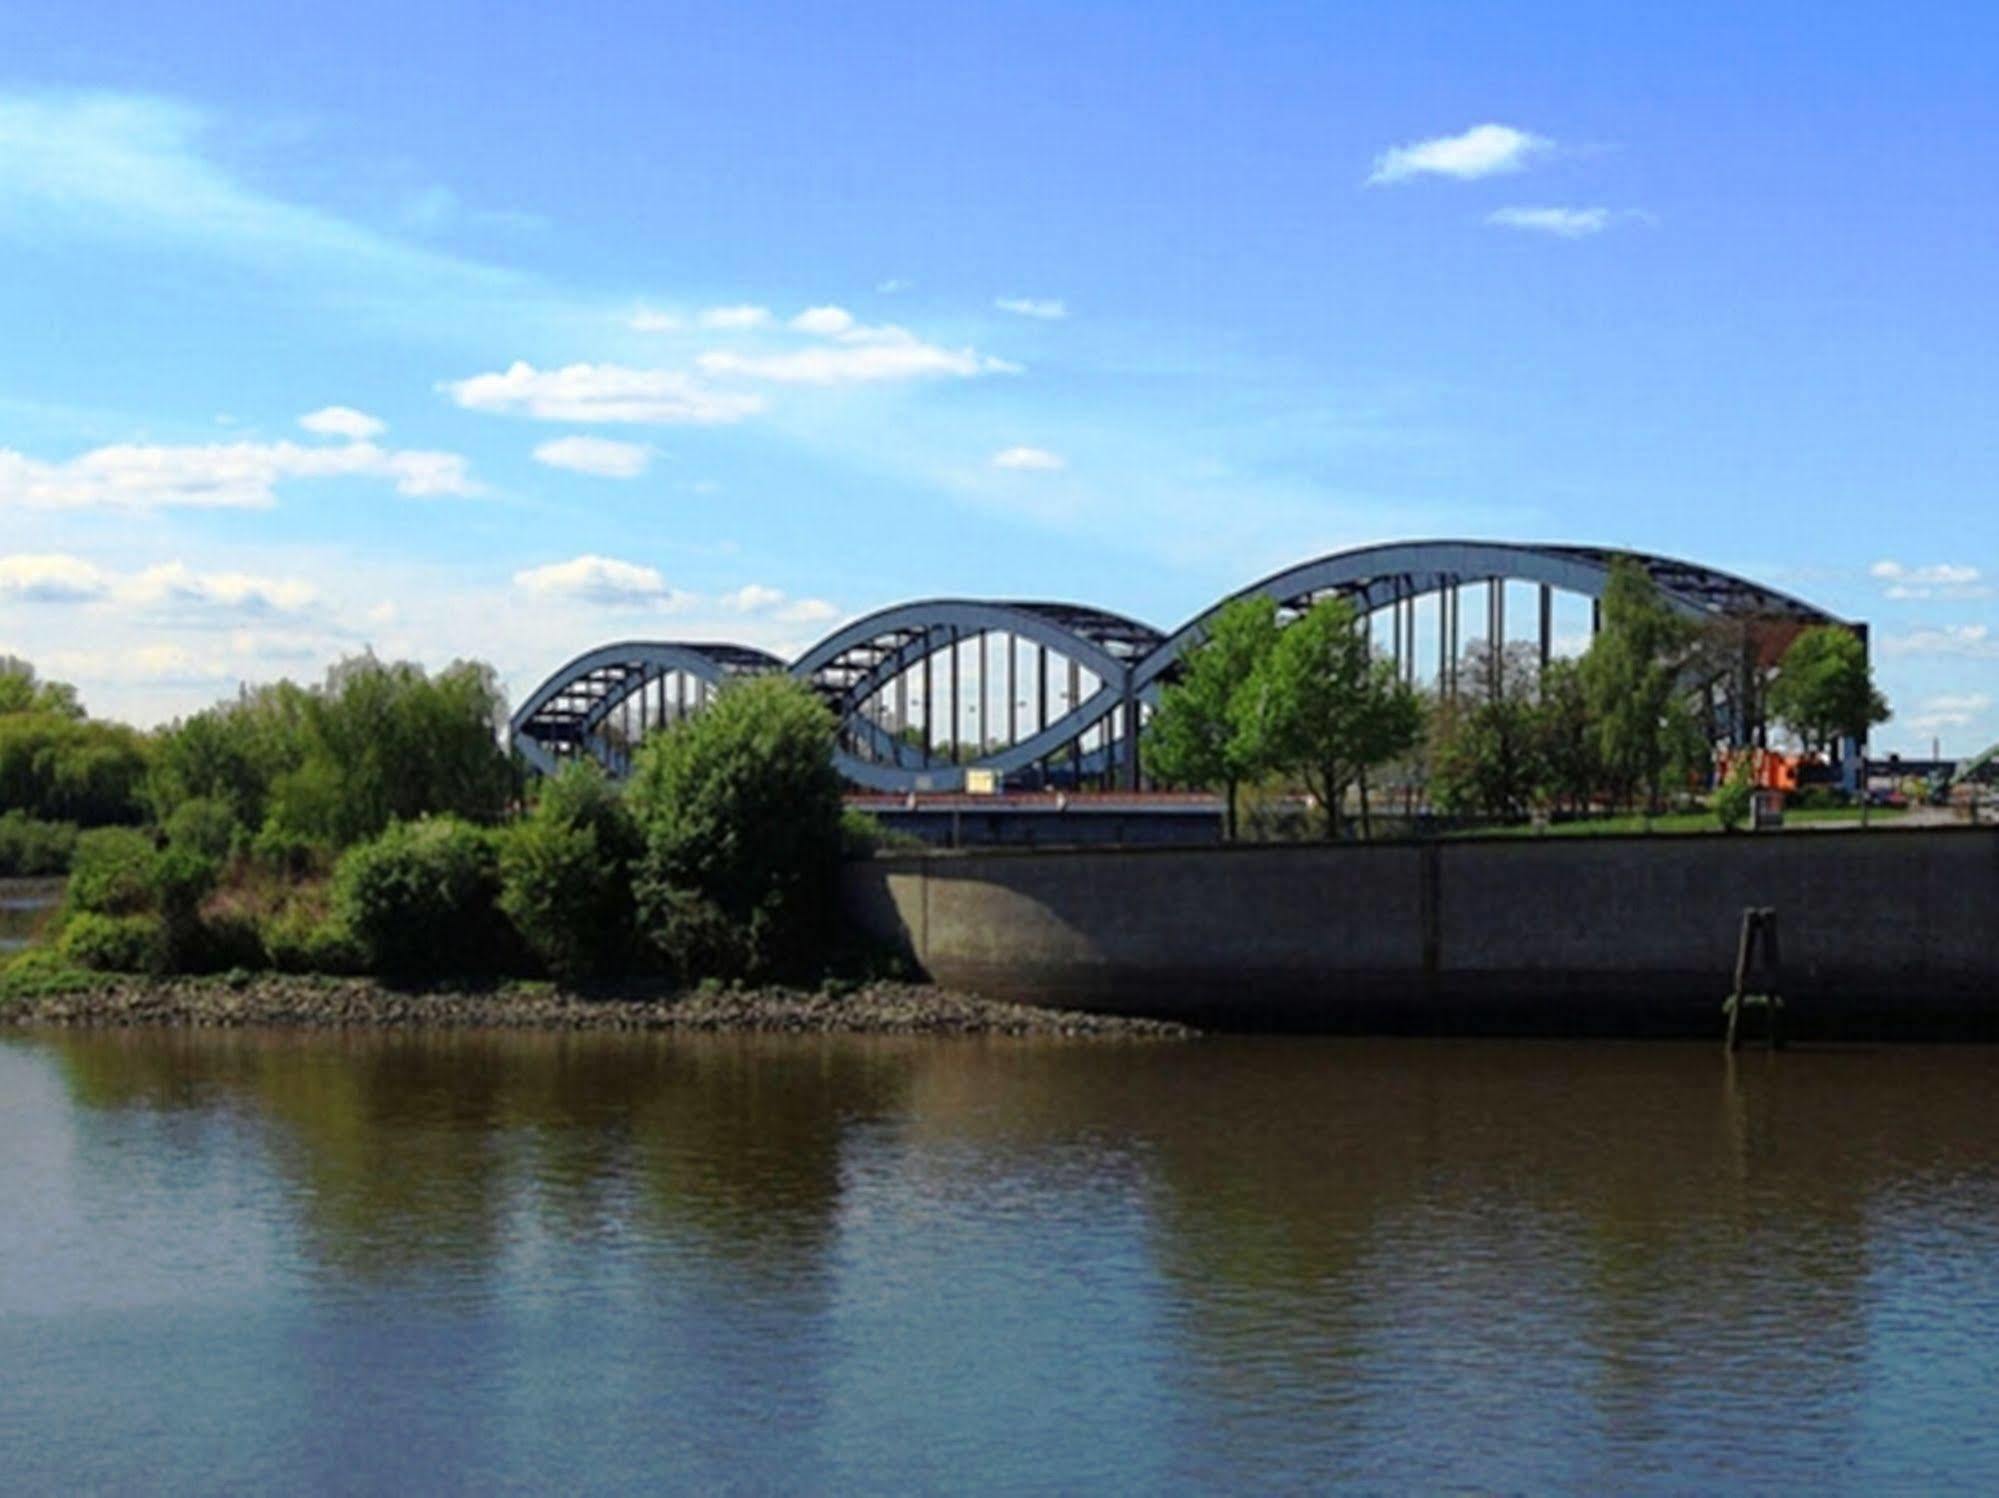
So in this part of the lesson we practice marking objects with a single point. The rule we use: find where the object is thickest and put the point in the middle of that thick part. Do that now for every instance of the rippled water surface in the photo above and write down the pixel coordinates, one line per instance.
(487, 1263)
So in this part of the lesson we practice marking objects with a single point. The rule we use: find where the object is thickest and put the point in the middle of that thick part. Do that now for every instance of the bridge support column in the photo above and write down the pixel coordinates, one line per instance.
(1547, 626)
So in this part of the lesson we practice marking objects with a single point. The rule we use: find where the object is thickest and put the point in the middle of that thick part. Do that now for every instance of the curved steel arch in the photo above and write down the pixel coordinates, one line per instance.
(1126, 656)
(568, 708)
(856, 661)
(1374, 577)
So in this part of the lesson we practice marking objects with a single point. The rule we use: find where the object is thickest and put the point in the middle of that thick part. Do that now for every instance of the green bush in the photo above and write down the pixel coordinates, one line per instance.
(420, 900)
(295, 940)
(566, 875)
(204, 825)
(38, 972)
(112, 873)
(29, 847)
(114, 943)
(1732, 797)
(740, 813)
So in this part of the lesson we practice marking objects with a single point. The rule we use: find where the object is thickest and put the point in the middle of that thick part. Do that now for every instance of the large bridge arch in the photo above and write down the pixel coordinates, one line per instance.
(1115, 665)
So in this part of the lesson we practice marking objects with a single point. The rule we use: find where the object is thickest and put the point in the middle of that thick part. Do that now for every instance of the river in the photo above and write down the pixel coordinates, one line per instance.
(483, 1263)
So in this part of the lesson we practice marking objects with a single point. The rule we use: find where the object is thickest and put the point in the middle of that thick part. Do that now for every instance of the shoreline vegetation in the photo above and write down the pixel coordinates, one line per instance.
(307, 1002)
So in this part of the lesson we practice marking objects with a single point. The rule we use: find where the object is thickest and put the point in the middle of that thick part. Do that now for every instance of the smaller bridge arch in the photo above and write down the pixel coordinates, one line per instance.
(568, 714)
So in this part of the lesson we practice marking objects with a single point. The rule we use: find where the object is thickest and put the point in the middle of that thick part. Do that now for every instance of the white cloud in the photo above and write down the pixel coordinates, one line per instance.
(155, 664)
(342, 421)
(232, 475)
(828, 322)
(595, 455)
(751, 598)
(863, 355)
(808, 611)
(735, 318)
(1563, 223)
(1029, 459)
(174, 586)
(1482, 151)
(51, 578)
(756, 598)
(892, 285)
(1941, 580)
(1049, 309)
(603, 393)
(1974, 641)
(1949, 711)
(595, 579)
(647, 320)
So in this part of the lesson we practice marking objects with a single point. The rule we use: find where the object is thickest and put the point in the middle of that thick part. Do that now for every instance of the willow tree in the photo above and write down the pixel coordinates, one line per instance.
(1200, 735)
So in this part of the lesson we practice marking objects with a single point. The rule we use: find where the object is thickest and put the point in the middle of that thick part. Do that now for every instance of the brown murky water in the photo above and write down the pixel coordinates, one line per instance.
(477, 1263)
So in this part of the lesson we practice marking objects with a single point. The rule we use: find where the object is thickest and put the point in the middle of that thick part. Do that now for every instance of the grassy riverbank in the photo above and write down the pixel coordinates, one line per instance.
(50, 996)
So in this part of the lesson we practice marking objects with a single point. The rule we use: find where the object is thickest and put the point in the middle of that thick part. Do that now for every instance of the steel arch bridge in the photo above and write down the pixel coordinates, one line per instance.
(1038, 694)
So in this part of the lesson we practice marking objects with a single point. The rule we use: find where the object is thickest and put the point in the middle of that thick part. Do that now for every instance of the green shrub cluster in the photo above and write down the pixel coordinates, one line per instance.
(422, 899)
(29, 847)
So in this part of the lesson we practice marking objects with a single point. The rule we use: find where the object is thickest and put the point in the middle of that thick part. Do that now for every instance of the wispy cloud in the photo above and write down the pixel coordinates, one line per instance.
(1939, 580)
(1048, 309)
(1029, 459)
(1959, 710)
(218, 475)
(1482, 151)
(603, 393)
(1562, 223)
(726, 319)
(1974, 641)
(104, 165)
(598, 456)
(851, 353)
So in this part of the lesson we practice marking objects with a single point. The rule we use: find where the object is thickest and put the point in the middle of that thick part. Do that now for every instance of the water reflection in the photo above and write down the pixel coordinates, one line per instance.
(876, 1263)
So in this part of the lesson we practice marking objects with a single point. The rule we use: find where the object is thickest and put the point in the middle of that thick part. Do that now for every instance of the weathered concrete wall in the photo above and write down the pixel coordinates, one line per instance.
(1884, 932)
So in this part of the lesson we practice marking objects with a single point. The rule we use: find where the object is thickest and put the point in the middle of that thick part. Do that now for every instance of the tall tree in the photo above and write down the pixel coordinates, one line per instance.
(1324, 709)
(1824, 689)
(1632, 681)
(1198, 735)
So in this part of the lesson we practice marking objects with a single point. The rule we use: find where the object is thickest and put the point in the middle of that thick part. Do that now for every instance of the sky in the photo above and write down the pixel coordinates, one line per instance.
(457, 330)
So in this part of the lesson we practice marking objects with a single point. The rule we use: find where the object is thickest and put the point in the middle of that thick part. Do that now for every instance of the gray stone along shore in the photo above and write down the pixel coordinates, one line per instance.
(358, 1003)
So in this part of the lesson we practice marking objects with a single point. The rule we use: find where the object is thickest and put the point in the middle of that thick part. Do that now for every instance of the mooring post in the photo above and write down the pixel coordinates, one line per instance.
(1759, 933)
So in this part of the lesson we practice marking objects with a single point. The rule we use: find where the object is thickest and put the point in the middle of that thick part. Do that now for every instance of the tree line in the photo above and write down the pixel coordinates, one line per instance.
(374, 823)
(1310, 707)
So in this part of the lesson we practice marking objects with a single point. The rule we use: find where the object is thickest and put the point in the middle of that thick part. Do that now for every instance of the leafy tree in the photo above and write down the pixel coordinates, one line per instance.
(1198, 735)
(739, 812)
(1322, 708)
(332, 765)
(566, 874)
(1632, 683)
(64, 769)
(1824, 689)
(1486, 744)
(21, 691)
(1564, 743)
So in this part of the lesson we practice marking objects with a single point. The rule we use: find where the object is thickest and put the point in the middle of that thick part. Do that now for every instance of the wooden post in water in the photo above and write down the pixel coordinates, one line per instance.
(1759, 936)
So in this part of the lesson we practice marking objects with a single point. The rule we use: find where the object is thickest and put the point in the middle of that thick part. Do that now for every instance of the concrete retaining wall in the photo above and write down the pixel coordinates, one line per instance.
(1884, 932)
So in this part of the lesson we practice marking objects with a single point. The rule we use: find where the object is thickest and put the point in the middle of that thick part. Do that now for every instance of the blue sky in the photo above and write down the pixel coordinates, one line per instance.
(732, 321)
